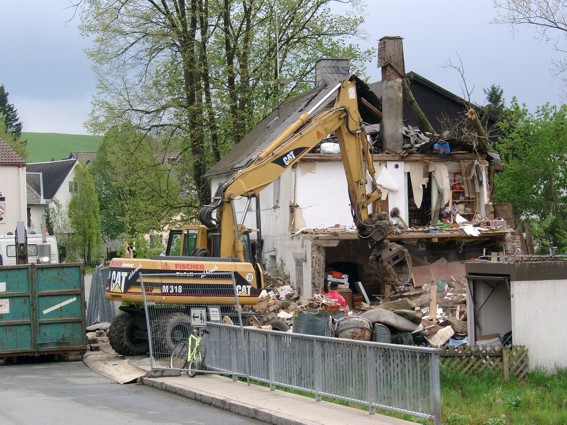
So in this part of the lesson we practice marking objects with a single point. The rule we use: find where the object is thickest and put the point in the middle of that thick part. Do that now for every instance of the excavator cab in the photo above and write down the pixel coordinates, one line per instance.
(187, 241)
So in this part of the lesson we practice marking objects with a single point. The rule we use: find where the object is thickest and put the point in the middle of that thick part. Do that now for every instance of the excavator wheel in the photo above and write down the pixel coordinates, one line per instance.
(175, 328)
(127, 335)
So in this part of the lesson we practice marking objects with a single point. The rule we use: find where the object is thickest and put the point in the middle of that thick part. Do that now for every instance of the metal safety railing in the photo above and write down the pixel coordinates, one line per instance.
(397, 378)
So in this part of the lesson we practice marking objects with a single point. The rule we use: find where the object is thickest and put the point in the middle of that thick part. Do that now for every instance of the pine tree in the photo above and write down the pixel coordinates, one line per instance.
(13, 125)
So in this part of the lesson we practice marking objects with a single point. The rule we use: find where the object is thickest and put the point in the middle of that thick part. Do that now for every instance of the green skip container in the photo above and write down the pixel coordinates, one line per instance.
(42, 310)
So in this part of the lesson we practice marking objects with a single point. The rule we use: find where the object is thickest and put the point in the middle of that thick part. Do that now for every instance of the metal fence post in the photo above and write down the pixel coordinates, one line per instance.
(233, 353)
(270, 360)
(435, 387)
(148, 327)
(318, 368)
(371, 379)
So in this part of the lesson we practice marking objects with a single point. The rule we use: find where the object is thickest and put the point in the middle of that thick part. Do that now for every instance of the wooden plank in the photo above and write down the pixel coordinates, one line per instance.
(433, 303)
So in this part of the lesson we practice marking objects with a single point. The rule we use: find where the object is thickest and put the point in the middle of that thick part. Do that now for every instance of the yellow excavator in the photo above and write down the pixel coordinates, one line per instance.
(196, 253)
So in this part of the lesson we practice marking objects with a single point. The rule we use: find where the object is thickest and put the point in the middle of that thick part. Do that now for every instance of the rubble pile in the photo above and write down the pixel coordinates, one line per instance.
(434, 314)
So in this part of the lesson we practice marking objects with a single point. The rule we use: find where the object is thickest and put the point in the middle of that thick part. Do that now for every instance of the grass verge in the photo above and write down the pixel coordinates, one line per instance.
(485, 399)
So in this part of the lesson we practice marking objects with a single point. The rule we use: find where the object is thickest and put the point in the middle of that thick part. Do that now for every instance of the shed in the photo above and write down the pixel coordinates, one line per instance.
(524, 295)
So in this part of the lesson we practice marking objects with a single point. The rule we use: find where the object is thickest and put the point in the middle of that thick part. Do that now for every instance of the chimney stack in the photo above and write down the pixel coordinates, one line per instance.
(330, 70)
(391, 59)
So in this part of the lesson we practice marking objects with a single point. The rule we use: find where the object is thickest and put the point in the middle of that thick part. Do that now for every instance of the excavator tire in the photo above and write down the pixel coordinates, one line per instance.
(278, 325)
(126, 337)
(175, 328)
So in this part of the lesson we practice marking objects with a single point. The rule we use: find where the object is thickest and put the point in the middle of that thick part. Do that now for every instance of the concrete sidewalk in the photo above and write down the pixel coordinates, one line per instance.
(258, 402)
(254, 401)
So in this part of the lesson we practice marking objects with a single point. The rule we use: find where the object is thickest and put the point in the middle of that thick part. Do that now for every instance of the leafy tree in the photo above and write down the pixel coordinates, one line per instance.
(206, 71)
(136, 190)
(84, 215)
(58, 224)
(534, 152)
(549, 19)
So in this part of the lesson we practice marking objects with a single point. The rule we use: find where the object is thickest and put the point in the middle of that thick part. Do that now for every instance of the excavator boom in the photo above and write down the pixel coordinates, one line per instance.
(343, 120)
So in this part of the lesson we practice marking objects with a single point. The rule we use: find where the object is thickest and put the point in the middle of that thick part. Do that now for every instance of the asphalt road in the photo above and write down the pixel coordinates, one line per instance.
(61, 393)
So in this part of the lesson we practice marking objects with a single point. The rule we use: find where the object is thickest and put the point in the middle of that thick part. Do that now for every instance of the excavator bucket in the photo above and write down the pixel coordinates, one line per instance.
(391, 264)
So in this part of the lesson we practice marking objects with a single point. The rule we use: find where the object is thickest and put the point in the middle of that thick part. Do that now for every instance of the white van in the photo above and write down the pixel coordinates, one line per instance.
(39, 252)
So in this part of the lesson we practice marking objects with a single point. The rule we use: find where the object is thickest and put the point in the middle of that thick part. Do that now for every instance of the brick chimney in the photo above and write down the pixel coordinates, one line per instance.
(330, 70)
(391, 59)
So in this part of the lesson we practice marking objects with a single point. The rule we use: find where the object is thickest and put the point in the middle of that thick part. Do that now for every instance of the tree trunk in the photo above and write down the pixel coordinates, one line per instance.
(409, 99)
(481, 136)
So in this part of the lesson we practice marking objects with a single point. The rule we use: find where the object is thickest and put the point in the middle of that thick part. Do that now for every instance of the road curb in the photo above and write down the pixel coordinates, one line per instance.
(253, 412)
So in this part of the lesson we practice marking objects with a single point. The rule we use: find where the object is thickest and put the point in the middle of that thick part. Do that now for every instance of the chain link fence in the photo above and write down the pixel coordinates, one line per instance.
(169, 323)
(99, 308)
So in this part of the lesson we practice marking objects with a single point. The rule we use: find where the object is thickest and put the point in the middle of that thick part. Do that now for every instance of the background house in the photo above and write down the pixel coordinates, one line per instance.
(305, 213)
(49, 182)
(12, 189)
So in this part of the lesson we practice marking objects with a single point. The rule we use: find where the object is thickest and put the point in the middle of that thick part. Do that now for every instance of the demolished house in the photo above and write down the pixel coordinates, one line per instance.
(439, 201)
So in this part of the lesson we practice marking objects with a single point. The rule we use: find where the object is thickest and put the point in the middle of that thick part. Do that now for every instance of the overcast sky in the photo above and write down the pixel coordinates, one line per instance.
(50, 83)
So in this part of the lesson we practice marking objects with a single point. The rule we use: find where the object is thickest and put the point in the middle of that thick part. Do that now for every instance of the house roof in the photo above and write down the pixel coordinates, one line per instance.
(53, 174)
(436, 103)
(8, 156)
(83, 157)
(33, 192)
(281, 118)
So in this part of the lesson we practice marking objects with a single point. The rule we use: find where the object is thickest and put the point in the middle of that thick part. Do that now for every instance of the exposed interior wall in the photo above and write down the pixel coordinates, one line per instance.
(393, 174)
(314, 195)
(321, 196)
(351, 257)
(489, 307)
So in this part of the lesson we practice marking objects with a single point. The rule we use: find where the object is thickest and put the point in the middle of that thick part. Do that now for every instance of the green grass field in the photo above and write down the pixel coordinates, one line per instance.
(43, 147)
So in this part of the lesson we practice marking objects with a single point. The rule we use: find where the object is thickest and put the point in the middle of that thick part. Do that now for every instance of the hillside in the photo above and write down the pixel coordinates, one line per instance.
(43, 147)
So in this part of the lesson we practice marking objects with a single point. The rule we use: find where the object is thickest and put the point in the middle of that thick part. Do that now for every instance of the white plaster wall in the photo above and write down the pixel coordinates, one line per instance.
(322, 192)
(37, 213)
(63, 195)
(288, 251)
(13, 188)
(538, 319)
(396, 198)
(322, 195)
(279, 244)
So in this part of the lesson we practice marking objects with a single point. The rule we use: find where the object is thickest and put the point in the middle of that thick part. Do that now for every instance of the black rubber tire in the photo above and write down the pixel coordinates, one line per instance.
(178, 357)
(198, 363)
(126, 337)
(176, 328)
(279, 325)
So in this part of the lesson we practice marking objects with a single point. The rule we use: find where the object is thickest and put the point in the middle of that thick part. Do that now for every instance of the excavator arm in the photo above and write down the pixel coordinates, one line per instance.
(345, 122)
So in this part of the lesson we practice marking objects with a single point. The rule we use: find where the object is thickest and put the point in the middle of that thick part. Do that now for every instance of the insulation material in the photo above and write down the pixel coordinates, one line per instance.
(441, 175)
(418, 181)
(386, 180)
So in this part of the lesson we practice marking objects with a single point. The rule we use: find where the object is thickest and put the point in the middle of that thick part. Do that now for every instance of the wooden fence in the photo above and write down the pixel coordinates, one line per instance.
(511, 360)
